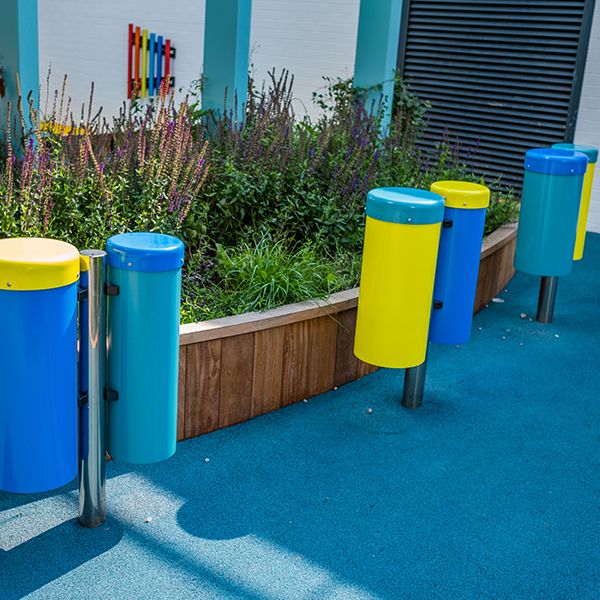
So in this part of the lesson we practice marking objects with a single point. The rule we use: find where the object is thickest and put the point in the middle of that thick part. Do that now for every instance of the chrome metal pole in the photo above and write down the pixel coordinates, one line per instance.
(547, 299)
(414, 386)
(92, 410)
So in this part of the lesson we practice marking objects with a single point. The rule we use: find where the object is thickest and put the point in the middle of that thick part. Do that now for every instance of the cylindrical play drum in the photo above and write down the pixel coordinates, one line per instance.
(398, 267)
(458, 260)
(549, 211)
(38, 364)
(144, 287)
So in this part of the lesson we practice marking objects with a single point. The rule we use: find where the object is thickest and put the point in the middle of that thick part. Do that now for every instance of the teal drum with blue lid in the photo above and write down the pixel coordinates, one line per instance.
(549, 210)
(144, 286)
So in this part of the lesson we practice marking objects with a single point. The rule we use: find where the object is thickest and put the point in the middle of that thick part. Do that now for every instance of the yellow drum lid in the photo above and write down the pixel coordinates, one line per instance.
(462, 194)
(37, 264)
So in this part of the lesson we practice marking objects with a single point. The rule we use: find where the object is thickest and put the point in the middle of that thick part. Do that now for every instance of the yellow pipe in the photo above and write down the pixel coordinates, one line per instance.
(584, 208)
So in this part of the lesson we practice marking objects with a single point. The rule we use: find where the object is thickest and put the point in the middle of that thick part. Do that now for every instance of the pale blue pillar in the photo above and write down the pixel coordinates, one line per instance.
(18, 54)
(377, 51)
(226, 55)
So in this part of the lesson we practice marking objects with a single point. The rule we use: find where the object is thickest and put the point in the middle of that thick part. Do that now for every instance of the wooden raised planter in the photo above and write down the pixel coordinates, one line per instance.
(496, 266)
(237, 368)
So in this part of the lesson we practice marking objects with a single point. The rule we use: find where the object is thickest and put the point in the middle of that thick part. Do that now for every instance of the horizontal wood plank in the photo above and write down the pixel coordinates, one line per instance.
(498, 239)
(284, 315)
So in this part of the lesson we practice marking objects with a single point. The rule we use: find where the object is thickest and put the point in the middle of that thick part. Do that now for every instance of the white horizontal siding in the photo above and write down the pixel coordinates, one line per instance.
(87, 39)
(311, 38)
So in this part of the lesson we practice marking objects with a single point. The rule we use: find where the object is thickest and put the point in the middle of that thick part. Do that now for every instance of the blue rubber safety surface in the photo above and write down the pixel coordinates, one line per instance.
(489, 491)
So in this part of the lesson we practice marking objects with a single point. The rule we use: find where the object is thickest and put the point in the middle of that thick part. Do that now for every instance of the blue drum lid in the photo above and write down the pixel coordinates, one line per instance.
(147, 252)
(555, 161)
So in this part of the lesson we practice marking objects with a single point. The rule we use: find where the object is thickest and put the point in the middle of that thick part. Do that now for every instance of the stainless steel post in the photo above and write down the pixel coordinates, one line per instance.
(546, 300)
(92, 411)
(414, 385)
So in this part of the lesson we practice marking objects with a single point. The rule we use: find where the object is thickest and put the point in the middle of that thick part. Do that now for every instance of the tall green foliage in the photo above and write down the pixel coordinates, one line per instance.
(85, 181)
(277, 217)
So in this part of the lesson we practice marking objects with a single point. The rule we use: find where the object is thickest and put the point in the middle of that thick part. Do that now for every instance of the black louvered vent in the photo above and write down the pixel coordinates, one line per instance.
(499, 75)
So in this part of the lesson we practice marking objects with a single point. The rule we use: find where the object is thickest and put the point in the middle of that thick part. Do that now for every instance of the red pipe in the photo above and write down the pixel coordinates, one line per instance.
(137, 59)
(167, 64)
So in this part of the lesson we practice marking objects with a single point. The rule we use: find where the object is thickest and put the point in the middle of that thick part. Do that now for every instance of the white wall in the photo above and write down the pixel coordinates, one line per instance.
(311, 38)
(588, 120)
(87, 39)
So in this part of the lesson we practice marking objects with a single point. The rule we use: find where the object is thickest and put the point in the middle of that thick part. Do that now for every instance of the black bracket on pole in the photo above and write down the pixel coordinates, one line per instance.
(82, 399)
(438, 304)
(110, 289)
(111, 395)
(82, 294)
(448, 223)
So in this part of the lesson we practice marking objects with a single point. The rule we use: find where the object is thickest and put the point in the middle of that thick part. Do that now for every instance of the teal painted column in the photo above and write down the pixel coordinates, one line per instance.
(18, 54)
(226, 55)
(377, 52)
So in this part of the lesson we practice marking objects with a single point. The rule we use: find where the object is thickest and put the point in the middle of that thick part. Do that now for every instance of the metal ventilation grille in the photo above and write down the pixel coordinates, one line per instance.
(499, 75)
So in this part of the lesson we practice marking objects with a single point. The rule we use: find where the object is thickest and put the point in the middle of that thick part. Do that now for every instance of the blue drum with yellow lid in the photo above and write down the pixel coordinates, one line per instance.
(143, 334)
(402, 234)
(38, 363)
(586, 192)
(458, 260)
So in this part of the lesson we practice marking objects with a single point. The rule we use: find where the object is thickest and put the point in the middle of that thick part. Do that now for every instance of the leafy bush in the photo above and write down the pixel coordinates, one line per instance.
(307, 180)
(503, 209)
(298, 186)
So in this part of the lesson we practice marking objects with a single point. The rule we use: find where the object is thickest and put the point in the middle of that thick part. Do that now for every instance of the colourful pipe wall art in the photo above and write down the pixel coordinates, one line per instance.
(149, 59)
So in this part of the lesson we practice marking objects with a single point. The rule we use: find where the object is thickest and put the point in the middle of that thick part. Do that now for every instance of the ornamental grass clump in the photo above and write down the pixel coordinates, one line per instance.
(268, 274)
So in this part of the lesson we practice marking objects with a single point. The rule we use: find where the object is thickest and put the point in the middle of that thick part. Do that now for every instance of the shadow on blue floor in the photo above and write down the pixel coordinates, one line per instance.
(489, 491)
(52, 554)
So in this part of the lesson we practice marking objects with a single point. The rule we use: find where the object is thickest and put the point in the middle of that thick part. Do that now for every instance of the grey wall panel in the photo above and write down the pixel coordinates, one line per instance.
(501, 75)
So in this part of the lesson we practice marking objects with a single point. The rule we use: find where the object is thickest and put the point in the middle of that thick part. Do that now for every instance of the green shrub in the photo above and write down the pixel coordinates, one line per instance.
(503, 209)
(298, 186)
(257, 277)
(83, 182)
